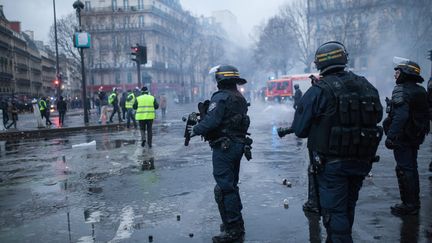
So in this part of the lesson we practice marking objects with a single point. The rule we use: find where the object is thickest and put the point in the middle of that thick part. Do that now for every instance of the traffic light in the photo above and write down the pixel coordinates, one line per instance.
(56, 83)
(135, 53)
(430, 55)
(142, 54)
(139, 54)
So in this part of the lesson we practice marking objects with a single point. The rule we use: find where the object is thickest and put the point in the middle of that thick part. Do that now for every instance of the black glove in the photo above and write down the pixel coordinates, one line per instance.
(386, 125)
(389, 143)
(190, 130)
(282, 131)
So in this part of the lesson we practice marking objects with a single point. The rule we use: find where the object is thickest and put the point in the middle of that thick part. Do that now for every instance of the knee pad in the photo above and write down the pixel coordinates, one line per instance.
(218, 194)
(399, 171)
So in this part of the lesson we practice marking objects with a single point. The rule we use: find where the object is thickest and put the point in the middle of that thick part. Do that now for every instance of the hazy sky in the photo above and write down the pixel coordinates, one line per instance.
(37, 15)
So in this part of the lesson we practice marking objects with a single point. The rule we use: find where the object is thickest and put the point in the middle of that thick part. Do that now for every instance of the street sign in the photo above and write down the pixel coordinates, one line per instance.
(82, 40)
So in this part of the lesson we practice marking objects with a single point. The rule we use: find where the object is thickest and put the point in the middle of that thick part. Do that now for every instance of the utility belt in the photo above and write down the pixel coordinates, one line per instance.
(354, 142)
(319, 161)
(225, 142)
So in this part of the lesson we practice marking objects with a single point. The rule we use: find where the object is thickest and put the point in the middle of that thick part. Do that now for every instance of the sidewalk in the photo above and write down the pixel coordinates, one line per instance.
(74, 121)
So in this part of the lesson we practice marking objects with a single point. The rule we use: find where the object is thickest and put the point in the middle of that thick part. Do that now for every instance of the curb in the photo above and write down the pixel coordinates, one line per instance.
(53, 132)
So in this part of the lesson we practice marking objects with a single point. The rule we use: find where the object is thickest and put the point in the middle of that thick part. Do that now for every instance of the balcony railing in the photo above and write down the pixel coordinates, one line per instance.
(128, 27)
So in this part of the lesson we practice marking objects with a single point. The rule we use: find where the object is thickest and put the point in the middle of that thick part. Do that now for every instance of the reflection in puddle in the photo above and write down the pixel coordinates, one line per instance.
(146, 163)
(410, 229)
(108, 144)
(95, 189)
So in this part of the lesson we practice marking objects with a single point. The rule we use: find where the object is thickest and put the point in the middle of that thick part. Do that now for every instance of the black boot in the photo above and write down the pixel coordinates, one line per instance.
(222, 227)
(430, 166)
(312, 204)
(234, 233)
(402, 190)
(409, 189)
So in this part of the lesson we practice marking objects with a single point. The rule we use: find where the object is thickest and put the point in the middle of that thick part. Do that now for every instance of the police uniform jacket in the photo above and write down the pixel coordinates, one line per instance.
(339, 116)
(226, 116)
(409, 115)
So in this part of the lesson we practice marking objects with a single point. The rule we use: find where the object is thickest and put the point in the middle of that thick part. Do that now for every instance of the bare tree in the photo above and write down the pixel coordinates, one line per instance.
(66, 26)
(295, 16)
(413, 25)
(275, 48)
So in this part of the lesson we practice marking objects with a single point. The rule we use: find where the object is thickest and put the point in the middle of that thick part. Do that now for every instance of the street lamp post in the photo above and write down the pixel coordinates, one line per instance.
(78, 6)
(58, 89)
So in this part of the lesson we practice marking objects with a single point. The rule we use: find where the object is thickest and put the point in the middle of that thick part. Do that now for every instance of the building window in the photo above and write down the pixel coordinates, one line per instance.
(114, 4)
(129, 77)
(142, 39)
(126, 21)
(125, 4)
(117, 78)
(140, 4)
(114, 41)
(87, 5)
(157, 48)
(141, 21)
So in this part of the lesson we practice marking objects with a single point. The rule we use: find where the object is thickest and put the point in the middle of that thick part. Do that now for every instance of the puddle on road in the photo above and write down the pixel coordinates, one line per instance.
(112, 144)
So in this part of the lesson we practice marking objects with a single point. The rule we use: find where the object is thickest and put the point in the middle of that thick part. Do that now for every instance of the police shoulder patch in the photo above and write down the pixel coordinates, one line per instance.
(398, 95)
(211, 106)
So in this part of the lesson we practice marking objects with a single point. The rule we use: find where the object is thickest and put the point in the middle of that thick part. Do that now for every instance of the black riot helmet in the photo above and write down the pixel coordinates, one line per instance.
(410, 71)
(226, 74)
(331, 55)
(296, 86)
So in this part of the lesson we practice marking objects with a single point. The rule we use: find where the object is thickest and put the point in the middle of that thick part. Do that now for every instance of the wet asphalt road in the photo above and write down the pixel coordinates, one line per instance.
(112, 190)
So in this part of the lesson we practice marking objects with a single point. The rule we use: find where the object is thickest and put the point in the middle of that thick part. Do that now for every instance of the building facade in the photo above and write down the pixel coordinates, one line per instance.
(116, 25)
(26, 71)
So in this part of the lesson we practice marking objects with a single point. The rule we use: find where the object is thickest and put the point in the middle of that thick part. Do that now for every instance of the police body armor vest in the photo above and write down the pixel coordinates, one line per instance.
(235, 122)
(417, 125)
(349, 128)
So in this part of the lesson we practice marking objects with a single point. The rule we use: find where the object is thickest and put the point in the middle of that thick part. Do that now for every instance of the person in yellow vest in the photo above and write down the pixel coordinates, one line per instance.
(113, 100)
(44, 110)
(130, 112)
(146, 105)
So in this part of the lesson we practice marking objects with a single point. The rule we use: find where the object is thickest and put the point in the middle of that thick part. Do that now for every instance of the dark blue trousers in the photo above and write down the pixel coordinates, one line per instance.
(226, 168)
(406, 158)
(339, 186)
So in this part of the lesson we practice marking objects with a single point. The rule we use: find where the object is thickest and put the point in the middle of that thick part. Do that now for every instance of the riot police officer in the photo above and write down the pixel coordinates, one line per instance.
(225, 127)
(406, 127)
(297, 95)
(339, 116)
(429, 91)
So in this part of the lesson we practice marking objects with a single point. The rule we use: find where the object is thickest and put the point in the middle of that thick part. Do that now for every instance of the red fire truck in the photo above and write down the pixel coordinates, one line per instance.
(283, 88)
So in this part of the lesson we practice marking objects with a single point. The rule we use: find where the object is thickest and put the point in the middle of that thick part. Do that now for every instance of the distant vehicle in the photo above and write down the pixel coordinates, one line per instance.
(282, 88)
